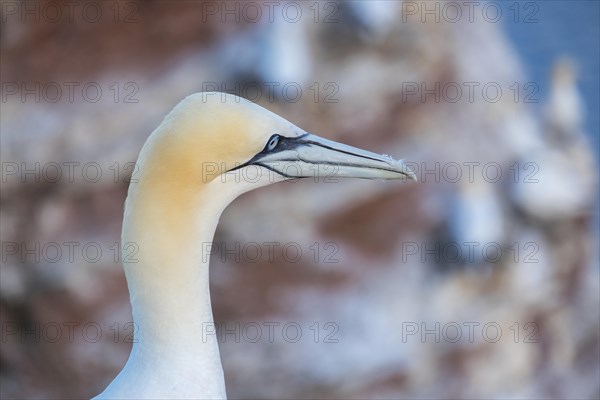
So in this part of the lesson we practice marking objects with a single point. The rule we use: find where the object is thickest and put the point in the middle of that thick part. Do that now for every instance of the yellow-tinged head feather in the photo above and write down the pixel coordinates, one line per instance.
(208, 134)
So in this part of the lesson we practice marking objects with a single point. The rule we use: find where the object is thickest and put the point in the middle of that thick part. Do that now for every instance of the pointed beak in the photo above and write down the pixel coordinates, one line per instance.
(309, 155)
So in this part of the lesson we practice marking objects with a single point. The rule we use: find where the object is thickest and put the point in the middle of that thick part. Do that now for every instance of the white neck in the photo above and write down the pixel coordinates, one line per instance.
(175, 353)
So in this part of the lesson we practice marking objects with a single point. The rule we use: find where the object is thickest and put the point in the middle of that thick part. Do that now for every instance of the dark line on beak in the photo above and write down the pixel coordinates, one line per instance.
(341, 151)
(277, 172)
(343, 165)
(266, 167)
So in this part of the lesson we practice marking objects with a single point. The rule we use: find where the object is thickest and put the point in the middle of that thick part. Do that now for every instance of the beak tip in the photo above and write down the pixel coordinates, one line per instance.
(412, 175)
(406, 171)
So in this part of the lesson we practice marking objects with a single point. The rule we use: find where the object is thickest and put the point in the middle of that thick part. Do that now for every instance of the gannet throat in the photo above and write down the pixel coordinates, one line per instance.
(174, 206)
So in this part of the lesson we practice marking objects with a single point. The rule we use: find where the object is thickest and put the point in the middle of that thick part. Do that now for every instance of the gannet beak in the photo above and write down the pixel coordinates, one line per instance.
(309, 155)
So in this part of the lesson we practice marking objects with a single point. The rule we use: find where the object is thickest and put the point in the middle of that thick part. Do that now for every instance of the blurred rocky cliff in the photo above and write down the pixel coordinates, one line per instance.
(479, 281)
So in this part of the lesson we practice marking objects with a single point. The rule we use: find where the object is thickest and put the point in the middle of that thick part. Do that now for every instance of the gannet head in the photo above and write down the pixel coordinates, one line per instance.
(220, 137)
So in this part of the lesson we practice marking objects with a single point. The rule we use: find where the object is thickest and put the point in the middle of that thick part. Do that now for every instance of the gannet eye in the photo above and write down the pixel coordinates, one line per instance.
(273, 142)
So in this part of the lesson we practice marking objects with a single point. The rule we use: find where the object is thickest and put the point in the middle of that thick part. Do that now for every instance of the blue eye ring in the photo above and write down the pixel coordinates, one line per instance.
(273, 141)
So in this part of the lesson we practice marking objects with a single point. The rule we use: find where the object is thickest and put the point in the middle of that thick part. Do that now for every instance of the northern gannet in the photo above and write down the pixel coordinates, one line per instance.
(190, 168)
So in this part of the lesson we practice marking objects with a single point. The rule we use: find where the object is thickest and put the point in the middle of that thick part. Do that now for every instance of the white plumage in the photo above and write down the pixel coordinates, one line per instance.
(189, 171)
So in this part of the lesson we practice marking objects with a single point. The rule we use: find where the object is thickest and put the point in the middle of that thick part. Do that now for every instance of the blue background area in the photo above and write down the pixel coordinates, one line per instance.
(564, 28)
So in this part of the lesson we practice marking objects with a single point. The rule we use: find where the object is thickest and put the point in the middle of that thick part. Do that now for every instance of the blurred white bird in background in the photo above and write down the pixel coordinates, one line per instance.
(558, 177)
(476, 219)
(564, 111)
(270, 55)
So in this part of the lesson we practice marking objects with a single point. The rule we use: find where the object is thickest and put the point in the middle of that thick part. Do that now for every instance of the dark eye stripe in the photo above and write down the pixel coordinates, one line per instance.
(283, 143)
